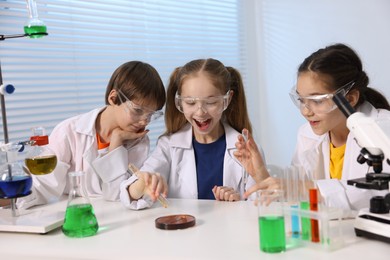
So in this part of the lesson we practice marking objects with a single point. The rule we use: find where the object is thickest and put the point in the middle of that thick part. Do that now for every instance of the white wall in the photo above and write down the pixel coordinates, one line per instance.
(284, 33)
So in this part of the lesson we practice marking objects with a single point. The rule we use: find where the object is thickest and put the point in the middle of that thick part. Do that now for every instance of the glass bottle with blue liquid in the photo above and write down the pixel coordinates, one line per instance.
(15, 180)
(80, 219)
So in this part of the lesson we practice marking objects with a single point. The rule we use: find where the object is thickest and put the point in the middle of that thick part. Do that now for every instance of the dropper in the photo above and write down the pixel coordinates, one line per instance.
(245, 174)
(134, 170)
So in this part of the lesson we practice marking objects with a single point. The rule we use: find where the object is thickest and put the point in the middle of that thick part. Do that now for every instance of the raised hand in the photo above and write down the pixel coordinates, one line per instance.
(250, 157)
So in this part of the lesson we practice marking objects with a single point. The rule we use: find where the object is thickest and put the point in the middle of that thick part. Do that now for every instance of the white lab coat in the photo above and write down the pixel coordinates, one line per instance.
(312, 152)
(75, 145)
(174, 159)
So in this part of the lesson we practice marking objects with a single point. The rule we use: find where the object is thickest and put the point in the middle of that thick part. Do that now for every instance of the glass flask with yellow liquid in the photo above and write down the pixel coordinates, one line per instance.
(80, 219)
(40, 160)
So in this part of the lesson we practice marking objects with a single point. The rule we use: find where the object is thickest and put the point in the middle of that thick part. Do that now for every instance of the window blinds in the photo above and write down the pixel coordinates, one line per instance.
(66, 73)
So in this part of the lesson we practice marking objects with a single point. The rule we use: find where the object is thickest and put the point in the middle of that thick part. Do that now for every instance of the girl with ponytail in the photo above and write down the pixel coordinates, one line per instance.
(325, 148)
(205, 112)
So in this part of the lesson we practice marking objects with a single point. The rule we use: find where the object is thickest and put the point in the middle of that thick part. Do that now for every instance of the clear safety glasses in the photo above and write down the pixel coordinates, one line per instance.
(138, 112)
(319, 104)
(211, 105)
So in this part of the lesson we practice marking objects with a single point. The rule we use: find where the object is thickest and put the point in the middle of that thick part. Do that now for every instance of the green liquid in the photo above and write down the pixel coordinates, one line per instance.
(35, 29)
(305, 222)
(80, 221)
(272, 234)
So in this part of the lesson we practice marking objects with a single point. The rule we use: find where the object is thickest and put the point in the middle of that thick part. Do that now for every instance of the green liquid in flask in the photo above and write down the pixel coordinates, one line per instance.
(272, 234)
(35, 29)
(80, 221)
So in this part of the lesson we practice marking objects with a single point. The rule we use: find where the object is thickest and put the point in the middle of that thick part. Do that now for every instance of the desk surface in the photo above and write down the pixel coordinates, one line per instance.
(223, 231)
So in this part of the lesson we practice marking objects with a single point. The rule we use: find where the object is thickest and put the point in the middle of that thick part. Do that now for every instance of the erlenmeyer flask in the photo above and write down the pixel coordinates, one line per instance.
(80, 219)
(34, 27)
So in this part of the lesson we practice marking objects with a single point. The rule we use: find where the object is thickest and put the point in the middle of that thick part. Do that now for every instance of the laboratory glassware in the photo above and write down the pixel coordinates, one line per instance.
(80, 219)
(272, 234)
(34, 27)
(40, 160)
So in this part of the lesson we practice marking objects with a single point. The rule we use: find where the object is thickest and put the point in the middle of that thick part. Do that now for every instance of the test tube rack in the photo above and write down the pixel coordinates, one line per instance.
(329, 224)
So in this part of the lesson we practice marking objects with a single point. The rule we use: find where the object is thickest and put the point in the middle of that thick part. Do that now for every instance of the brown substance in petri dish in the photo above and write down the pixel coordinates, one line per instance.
(174, 222)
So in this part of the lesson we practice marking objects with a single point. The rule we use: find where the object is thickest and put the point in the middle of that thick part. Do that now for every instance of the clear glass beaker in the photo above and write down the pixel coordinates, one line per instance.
(272, 234)
(80, 219)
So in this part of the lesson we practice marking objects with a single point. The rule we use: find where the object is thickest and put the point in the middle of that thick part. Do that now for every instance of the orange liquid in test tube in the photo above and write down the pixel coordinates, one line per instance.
(315, 232)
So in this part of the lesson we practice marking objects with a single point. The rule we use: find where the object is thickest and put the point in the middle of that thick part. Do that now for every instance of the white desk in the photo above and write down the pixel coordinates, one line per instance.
(223, 231)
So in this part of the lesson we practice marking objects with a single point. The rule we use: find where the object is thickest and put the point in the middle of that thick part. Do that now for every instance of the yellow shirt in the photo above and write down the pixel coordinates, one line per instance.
(336, 161)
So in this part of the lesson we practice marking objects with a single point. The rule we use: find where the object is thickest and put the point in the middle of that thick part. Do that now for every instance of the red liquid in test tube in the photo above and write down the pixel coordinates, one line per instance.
(315, 232)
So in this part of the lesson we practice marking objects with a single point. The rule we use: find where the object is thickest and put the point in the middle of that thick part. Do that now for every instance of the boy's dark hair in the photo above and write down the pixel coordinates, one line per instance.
(137, 80)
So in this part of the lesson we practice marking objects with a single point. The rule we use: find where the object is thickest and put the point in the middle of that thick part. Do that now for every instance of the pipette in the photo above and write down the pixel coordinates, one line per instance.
(244, 172)
(134, 170)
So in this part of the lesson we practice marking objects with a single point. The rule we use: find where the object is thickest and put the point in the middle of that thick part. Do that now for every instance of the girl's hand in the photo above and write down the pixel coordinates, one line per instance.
(224, 193)
(250, 157)
(269, 183)
(152, 184)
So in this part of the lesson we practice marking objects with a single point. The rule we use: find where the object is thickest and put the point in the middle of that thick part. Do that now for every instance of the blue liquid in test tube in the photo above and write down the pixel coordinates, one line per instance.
(295, 222)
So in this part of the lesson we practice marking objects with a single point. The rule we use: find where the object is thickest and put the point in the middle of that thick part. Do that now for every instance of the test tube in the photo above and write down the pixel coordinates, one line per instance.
(245, 174)
(315, 231)
(164, 202)
(304, 205)
(291, 175)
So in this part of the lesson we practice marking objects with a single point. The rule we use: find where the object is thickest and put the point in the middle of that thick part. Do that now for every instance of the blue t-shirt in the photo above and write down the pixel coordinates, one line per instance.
(209, 166)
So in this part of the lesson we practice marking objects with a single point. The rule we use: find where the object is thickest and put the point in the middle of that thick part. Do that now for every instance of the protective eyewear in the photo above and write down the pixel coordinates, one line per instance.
(138, 112)
(319, 104)
(211, 105)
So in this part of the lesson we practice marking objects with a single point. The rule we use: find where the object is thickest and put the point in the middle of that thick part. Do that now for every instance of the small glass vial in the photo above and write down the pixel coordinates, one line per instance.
(34, 27)
(80, 219)
(40, 160)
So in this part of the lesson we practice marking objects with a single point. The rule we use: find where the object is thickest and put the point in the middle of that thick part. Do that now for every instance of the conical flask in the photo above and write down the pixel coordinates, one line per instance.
(34, 27)
(80, 219)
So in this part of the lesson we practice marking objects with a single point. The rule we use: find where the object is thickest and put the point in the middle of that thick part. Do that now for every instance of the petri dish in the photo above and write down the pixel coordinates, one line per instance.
(174, 222)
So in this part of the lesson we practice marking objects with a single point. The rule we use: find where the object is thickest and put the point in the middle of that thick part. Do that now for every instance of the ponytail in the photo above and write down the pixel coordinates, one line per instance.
(375, 98)
(236, 113)
(174, 119)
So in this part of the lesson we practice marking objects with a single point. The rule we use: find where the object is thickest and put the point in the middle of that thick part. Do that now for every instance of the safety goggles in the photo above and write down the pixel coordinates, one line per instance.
(137, 112)
(211, 105)
(319, 104)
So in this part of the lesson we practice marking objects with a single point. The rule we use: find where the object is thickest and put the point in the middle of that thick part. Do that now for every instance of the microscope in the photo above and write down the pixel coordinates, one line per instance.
(373, 137)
